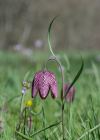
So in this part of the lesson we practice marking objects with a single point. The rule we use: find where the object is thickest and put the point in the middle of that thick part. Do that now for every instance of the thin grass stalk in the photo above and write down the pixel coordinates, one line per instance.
(89, 131)
(63, 100)
(5, 126)
(44, 125)
(93, 114)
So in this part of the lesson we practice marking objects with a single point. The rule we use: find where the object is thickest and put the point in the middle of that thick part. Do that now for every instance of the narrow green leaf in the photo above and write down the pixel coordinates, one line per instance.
(93, 110)
(95, 71)
(84, 126)
(25, 119)
(22, 102)
(23, 136)
(26, 76)
(68, 133)
(94, 116)
(35, 114)
(89, 132)
(49, 36)
(76, 77)
(16, 96)
(5, 127)
(45, 128)
(44, 125)
(82, 121)
(58, 103)
(67, 62)
(71, 121)
(76, 130)
(91, 128)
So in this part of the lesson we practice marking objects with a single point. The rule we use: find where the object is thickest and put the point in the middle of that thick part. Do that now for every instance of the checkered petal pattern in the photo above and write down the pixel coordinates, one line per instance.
(42, 83)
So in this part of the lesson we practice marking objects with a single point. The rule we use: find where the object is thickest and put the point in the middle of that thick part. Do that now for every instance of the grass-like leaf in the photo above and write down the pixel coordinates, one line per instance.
(44, 125)
(14, 97)
(24, 136)
(76, 78)
(49, 36)
(45, 128)
(35, 114)
(91, 130)
(67, 62)
(25, 119)
(5, 126)
(26, 76)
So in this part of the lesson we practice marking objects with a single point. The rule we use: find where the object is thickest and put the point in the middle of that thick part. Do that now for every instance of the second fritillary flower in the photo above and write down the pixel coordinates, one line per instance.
(42, 83)
(70, 95)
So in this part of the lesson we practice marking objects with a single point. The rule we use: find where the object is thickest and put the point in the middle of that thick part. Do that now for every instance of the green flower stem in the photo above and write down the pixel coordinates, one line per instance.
(49, 36)
(63, 122)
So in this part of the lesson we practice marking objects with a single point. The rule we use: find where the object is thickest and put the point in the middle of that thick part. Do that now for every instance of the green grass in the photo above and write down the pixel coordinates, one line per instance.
(80, 116)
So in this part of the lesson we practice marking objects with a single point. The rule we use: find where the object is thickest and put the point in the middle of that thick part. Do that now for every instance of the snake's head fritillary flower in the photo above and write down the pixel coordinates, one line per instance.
(70, 94)
(42, 83)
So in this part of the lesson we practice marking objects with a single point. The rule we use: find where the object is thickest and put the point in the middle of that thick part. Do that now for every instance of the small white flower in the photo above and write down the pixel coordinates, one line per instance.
(38, 43)
(17, 47)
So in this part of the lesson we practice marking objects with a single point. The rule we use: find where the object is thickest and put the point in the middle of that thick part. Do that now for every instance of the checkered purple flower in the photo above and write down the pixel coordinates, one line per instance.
(42, 83)
(70, 94)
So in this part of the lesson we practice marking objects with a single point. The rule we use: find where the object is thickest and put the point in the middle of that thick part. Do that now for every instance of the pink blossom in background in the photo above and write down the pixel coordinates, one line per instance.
(1, 119)
(70, 94)
(17, 47)
(4, 108)
(38, 43)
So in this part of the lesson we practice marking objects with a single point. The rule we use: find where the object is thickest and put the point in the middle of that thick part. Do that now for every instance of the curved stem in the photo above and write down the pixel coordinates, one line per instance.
(63, 122)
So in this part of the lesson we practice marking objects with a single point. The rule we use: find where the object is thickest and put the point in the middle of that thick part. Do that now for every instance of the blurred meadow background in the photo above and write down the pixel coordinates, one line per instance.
(24, 49)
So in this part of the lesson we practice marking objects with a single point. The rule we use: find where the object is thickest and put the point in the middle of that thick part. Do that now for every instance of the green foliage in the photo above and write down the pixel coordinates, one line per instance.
(82, 117)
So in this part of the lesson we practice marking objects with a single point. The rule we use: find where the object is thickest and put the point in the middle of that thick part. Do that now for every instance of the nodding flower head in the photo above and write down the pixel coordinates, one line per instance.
(70, 95)
(42, 83)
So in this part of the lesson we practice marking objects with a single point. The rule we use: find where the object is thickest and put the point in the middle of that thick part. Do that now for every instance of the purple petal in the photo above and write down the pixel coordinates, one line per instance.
(24, 91)
(24, 88)
(42, 82)
(70, 94)
(28, 85)
(54, 88)
(24, 83)
(44, 85)
(35, 84)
